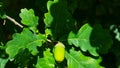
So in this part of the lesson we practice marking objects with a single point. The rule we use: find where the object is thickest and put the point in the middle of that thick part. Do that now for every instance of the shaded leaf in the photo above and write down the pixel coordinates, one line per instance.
(26, 39)
(101, 39)
(60, 21)
(75, 59)
(47, 61)
(2, 12)
(82, 39)
(23, 58)
(3, 62)
(117, 32)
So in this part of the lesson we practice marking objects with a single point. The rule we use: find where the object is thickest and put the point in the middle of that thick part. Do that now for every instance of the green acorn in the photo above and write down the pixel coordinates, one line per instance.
(59, 52)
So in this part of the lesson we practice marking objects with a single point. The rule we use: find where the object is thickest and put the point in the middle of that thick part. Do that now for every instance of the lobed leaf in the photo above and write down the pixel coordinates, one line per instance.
(101, 39)
(26, 39)
(82, 39)
(75, 59)
(60, 21)
(29, 19)
(47, 61)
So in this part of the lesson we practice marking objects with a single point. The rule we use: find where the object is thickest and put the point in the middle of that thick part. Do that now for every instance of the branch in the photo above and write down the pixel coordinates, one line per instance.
(15, 22)
(49, 40)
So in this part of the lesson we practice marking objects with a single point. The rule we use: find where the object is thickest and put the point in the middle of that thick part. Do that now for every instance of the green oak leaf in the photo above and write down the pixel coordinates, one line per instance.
(47, 61)
(3, 62)
(29, 19)
(23, 40)
(75, 59)
(82, 39)
(60, 21)
(101, 39)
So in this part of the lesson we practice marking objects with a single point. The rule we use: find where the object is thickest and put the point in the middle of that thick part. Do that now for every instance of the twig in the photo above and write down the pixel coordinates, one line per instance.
(49, 40)
(4, 22)
(15, 22)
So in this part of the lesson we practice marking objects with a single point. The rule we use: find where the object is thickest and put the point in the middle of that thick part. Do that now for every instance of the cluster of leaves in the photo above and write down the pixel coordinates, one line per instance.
(85, 43)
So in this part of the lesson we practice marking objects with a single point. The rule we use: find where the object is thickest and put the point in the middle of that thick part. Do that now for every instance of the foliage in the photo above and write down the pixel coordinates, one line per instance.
(88, 30)
(46, 62)
(78, 60)
(24, 40)
(29, 19)
(82, 39)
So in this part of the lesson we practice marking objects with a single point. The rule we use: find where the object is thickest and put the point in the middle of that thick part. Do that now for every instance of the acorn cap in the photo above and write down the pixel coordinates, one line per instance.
(59, 44)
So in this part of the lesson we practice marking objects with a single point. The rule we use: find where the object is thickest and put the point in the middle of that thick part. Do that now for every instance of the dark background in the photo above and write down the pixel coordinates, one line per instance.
(104, 12)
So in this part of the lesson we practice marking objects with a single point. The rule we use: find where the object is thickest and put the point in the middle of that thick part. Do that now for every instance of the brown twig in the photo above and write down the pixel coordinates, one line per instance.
(15, 22)
(49, 40)
(4, 22)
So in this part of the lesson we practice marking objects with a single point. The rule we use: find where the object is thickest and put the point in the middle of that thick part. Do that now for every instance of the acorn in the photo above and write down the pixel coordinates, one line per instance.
(59, 52)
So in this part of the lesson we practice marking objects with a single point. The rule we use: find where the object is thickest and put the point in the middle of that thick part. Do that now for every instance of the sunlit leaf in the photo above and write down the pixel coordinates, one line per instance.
(29, 19)
(75, 59)
(26, 39)
(82, 39)
(47, 61)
